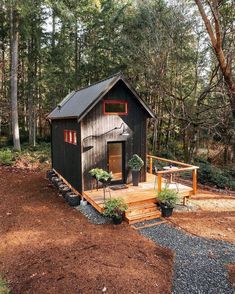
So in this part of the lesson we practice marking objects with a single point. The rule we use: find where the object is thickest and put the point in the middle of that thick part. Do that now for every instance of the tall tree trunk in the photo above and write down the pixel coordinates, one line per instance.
(14, 72)
(216, 38)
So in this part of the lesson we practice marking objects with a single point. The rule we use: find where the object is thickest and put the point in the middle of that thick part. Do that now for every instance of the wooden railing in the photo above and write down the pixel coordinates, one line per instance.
(181, 167)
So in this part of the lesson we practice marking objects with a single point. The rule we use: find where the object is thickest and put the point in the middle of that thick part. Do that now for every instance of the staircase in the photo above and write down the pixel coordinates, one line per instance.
(141, 211)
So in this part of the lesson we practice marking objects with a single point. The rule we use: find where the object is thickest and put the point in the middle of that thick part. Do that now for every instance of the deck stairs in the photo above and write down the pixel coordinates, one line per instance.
(141, 211)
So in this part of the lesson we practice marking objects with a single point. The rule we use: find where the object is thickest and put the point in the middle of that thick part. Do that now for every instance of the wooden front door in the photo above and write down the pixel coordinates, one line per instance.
(116, 161)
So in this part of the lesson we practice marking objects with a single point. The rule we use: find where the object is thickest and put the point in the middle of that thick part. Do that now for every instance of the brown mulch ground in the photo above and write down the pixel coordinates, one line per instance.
(231, 268)
(48, 247)
(214, 219)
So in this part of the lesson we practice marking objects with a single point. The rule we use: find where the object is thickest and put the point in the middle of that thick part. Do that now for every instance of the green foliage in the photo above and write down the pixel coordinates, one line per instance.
(114, 207)
(212, 175)
(3, 141)
(6, 157)
(40, 153)
(168, 197)
(100, 174)
(4, 289)
(135, 163)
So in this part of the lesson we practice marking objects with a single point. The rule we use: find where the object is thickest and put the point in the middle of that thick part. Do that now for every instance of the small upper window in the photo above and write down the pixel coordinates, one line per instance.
(115, 107)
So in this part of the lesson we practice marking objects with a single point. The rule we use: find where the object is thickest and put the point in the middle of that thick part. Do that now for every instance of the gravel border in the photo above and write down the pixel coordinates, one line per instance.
(200, 263)
(93, 215)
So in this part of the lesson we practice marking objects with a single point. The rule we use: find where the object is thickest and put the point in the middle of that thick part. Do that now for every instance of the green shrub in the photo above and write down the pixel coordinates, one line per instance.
(168, 197)
(219, 179)
(135, 163)
(6, 157)
(114, 207)
(4, 289)
(210, 174)
(100, 174)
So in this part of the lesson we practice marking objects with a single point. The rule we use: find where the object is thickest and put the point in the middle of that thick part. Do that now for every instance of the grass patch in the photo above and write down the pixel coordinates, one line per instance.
(7, 157)
(4, 288)
(29, 155)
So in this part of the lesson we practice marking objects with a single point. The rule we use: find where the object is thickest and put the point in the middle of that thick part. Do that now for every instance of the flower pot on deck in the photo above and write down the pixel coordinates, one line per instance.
(135, 177)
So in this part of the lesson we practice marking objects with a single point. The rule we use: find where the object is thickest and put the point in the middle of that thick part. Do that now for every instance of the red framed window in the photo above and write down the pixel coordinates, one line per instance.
(74, 137)
(70, 137)
(65, 136)
(118, 107)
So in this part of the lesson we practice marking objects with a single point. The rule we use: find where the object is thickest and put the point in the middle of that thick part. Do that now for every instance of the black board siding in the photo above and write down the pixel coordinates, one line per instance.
(66, 157)
(94, 149)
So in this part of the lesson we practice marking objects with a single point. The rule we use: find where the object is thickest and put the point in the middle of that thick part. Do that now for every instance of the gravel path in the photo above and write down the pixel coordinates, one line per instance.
(93, 215)
(200, 263)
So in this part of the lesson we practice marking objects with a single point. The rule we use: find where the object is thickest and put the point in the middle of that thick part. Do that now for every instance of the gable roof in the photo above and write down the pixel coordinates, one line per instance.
(78, 103)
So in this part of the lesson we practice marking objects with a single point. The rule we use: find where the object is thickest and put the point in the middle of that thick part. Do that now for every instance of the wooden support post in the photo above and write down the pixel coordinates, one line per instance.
(150, 165)
(194, 174)
(159, 183)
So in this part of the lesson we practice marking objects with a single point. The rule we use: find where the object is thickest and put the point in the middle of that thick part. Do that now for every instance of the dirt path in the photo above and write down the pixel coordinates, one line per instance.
(48, 247)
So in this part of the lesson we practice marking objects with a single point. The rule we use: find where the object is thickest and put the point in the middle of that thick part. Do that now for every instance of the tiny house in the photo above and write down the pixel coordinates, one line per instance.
(102, 126)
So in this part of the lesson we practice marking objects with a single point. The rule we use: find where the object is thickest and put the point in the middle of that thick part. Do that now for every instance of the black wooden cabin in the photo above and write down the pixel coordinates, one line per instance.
(101, 125)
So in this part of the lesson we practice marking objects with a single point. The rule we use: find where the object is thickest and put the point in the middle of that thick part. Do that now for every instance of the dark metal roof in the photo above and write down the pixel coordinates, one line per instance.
(78, 103)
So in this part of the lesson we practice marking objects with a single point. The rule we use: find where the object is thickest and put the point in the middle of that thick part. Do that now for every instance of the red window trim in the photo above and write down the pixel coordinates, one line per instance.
(70, 137)
(74, 137)
(65, 136)
(115, 102)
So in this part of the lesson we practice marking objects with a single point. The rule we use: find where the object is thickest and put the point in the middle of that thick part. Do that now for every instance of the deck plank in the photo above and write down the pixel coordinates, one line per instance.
(135, 196)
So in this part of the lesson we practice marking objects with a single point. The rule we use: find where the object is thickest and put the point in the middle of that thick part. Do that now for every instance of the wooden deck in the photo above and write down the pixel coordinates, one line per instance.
(140, 200)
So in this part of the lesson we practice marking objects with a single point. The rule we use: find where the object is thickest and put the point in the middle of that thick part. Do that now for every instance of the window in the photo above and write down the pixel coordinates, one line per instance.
(70, 137)
(65, 136)
(115, 107)
(74, 138)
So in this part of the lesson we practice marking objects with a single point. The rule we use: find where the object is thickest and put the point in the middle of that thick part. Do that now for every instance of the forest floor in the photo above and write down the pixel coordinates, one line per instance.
(49, 247)
(215, 217)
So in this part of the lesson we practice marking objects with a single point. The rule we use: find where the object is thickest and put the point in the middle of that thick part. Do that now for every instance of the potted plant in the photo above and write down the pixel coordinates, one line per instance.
(135, 163)
(101, 176)
(168, 199)
(115, 209)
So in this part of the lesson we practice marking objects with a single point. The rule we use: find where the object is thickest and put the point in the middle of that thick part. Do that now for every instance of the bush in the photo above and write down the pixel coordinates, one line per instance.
(114, 207)
(135, 163)
(210, 174)
(4, 289)
(6, 157)
(168, 197)
(101, 174)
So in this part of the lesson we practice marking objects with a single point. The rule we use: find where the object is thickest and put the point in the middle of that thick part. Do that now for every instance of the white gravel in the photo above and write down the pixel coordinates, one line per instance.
(200, 263)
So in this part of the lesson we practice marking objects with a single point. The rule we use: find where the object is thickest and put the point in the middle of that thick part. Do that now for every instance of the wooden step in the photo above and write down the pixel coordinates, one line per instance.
(140, 209)
(141, 202)
(143, 216)
(157, 223)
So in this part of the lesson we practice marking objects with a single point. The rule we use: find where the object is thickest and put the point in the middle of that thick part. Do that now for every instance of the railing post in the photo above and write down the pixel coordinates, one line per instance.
(194, 174)
(150, 165)
(159, 183)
